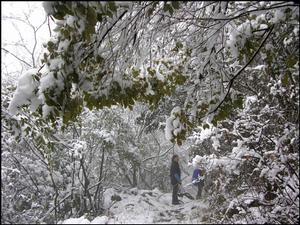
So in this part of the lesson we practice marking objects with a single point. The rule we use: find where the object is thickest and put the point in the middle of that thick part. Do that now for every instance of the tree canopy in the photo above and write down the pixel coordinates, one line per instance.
(120, 53)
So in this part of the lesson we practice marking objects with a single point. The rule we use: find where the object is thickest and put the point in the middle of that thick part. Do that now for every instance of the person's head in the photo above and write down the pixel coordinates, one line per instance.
(175, 158)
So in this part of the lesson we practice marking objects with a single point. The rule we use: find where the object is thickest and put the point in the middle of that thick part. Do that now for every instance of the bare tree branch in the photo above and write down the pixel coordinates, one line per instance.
(16, 57)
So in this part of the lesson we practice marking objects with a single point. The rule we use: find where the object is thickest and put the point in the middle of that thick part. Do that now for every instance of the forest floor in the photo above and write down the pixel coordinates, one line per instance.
(146, 206)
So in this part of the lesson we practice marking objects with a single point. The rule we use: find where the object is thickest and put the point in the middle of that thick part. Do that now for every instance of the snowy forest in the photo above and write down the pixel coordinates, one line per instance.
(97, 96)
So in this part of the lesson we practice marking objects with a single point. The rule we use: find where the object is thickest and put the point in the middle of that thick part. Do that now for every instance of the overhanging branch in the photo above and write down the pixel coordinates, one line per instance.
(242, 69)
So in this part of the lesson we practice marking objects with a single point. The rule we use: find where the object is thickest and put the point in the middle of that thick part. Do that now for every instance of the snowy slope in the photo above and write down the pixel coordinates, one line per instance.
(145, 206)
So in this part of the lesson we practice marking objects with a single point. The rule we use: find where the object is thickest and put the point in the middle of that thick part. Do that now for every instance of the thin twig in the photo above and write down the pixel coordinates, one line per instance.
(16, 57)
(159, 155)
(49, 27)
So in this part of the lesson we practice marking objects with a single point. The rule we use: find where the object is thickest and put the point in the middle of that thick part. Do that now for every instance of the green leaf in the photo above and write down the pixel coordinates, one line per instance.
(238, 103)
(135, 73)
(50, 47)
(92, 16)
(90, 29)
(75, 77)
(49, 101)
(179, 44)
(168, 7)
(175, 4)
(40, 141)
(151, 71)
(73, 109)
(291, 61)
(206, 126)
(99, 17)
(112, 6)
(99, 59)
(60, 10)
(227, 108)
(285, 79)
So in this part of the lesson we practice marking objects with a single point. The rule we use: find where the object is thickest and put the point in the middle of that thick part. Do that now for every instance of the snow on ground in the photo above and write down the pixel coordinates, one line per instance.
(147, 207)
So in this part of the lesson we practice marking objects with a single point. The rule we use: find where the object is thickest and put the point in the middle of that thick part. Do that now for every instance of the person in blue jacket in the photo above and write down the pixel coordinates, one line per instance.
(198, 180)
(175, 179)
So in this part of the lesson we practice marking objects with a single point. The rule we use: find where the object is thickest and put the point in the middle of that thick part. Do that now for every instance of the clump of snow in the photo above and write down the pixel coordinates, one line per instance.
(46, 110)
(228, 163)
(173, 124)
(215, 142)
(63, 45)
(48, 7)
(56, 63)
(81, 26)
(238, 35)
(108, 193)
(25, 92)
(249, 101)
(78, 148)
(107, 136)
(278, 16)
(287, 41)
(70, 20)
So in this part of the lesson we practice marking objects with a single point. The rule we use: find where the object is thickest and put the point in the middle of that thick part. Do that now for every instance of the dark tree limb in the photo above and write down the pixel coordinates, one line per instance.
(242, 69)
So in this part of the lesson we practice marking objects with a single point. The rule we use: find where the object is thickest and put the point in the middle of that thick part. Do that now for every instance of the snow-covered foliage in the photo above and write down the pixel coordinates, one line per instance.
(254, 171)
(174, 128)
(162, 46)
(223, 75)
(102, 150)
(24, 94)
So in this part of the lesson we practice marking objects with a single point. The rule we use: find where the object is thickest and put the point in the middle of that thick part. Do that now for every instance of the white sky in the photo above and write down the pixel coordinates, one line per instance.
(10, 35)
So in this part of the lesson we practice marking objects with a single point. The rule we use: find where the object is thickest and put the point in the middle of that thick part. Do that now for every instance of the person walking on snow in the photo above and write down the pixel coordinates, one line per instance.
(175, 179)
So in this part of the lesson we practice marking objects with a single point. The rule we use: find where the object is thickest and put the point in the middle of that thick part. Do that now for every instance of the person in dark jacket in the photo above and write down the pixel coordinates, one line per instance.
(175, 179)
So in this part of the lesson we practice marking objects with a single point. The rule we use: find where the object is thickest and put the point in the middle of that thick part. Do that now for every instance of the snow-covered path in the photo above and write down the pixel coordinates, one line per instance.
(146, 206)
